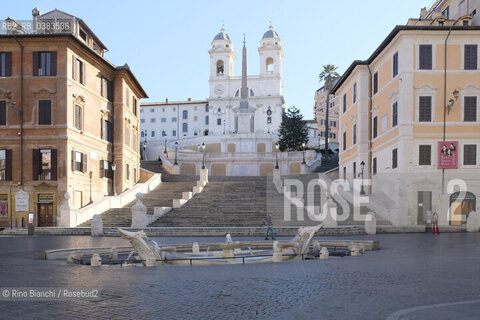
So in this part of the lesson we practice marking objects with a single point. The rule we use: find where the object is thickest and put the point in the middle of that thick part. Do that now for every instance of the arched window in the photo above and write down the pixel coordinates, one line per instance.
(174, 133)
(269, 65)
(220, 67)
(185, 127)
(252, 94)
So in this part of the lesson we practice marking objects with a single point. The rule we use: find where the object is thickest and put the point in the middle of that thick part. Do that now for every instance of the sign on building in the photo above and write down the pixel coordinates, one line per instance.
(448, 154)
(21, 201)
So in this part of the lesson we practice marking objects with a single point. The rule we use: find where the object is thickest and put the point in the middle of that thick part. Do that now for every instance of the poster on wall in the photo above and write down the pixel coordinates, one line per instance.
(448, 154)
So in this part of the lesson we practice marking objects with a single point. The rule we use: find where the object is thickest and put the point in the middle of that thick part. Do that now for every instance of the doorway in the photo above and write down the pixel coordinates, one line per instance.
(45, 214)
(460, 206)
(424, 207)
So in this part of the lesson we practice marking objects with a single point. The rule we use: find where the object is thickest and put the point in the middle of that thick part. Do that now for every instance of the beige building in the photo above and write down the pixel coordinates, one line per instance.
(66, 116)
(401, 106)
(320, 115)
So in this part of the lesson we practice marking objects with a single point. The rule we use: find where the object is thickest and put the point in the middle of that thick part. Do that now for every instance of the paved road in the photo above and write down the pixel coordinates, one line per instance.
(414, 276)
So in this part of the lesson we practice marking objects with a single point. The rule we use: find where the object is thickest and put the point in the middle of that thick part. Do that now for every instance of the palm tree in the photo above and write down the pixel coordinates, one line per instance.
(328, 76)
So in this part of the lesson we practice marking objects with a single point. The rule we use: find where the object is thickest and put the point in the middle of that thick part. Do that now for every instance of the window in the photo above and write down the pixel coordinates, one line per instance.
(333, 124)
(105, 169)
(269, 65)
(174, 133)
(424, 155)
(425, 109)
(355, 134)
(344, 140)
(470, 154)
(446, 12)
(220, 67)
(153, 133)
(344, 102)
(219, 122)
(465, 22)
(106, 89)
(127, 97)
(470, 109)
(185, 127)
(164, 133)
(3, 113)
(152, 110)
(127, 172)
(107, 130)
(185, 114)
(354, 170)
(375, 83)
(142, 134)
(5, 64)
(142, 120)
(321, 133)
(206, 107)
(470, 57)
(333, 135)
(78, 70)
(44, 63)
(374, 166)
(195, 118)
(395, 65)
(5, 165)
(78, 117)
(394, 158)
(44, 164)
(425, 57)
(127, 135)
(206, 119)
(394, 114)
(174, 119)
(375, 127)
(44, 112)
(135, 105)
(345, 173)
(79, 161)
(163, 120)
(163, 109)
(153, 120)
(354, 92)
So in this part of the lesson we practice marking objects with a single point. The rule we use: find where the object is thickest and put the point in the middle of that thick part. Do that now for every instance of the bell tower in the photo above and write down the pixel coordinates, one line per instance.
(222, 57)
(271, 54)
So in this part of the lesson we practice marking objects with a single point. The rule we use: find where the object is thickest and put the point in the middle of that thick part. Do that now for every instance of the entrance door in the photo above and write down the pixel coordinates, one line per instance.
(424, 206)
(45, 214)
(460, 206)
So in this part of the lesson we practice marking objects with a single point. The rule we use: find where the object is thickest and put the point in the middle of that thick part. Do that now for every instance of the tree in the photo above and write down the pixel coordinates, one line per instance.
(329, 76)
(293, 130)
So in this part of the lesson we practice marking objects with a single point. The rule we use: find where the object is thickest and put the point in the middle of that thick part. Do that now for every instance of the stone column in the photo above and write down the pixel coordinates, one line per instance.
(68, 213)
(139, 213)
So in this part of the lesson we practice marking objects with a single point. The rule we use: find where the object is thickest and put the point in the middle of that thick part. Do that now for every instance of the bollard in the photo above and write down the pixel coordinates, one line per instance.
(324, 253)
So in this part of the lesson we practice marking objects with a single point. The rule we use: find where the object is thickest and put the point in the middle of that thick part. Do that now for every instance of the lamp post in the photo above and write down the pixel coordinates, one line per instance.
(303, 151)
(224, 126)
(362, 166)
(90, 174)
(114, 167)
(276, 155)
(176, 153)
(144, 152)
(204, 155)
(165, 151)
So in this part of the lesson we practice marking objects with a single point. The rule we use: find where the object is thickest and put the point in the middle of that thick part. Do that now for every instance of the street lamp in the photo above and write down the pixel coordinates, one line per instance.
(362, 166)
(224, 126)
(303, 151)
(276, 155)
(204, 155)
(144, 153)
(90, 174)
(176, 153)
(114, 167)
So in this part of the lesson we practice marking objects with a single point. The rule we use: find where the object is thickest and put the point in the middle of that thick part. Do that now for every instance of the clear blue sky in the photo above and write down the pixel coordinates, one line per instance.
(166, 42)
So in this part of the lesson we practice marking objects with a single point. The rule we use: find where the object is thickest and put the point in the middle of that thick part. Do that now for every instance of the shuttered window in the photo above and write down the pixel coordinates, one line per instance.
(344, 140)
(425, 57)
(106, 169)
(79, 161)
(78, 70)
(375, 83)
(5, 165)
(395, 65)
(394, 158)
(394, 114)
(470, 154)
(425, 155)
(107, 130)
(78, 117)
(375, 127)
(5, 64)
(354, 134)
(470, 57)
(44, 112)
(3, 113)
(354, 92)
(44, 164)
(374, 166)
(470, 109)
(425, 109)
(44, 63)
(344, 103)
(106, 89)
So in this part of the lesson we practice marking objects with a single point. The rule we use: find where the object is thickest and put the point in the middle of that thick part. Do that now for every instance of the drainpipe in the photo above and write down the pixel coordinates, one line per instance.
(20, 112)
(370, 143)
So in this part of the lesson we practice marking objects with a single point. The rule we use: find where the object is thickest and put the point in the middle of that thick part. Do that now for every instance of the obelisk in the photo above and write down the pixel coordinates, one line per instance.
(244, 115)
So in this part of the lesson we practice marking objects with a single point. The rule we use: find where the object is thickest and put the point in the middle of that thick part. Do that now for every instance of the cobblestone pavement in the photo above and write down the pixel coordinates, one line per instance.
(411, 271)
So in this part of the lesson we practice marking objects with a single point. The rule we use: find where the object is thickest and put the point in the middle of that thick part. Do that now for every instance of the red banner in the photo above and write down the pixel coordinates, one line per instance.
(448, 154)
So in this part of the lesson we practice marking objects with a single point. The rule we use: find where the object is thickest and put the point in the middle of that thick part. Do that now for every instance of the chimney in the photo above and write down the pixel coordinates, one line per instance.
(166, 100)
(189, 99)
(423, 13)
(35, 14)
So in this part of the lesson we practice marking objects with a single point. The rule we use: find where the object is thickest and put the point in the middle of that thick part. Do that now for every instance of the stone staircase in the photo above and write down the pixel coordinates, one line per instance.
(172, 187)
(327, 164)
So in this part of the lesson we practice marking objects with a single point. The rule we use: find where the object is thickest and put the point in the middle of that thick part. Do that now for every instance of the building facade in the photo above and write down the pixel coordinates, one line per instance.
(319, 109)
(415, 97)
(67, 115)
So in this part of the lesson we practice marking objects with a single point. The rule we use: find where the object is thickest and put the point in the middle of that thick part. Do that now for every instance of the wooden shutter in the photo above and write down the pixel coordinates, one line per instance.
(84, 162)
(110, 131)
(3, 113)
(8, 64)
(74, 67)
(53, 155)
(425, 109)
(36, 57)
(84, 69)
(426, 57)
(36, 163)
(375, 127)
(470, 109)
(73, 160)
(470, 57)
(102, 169)
(53, 63)
(8, 160)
